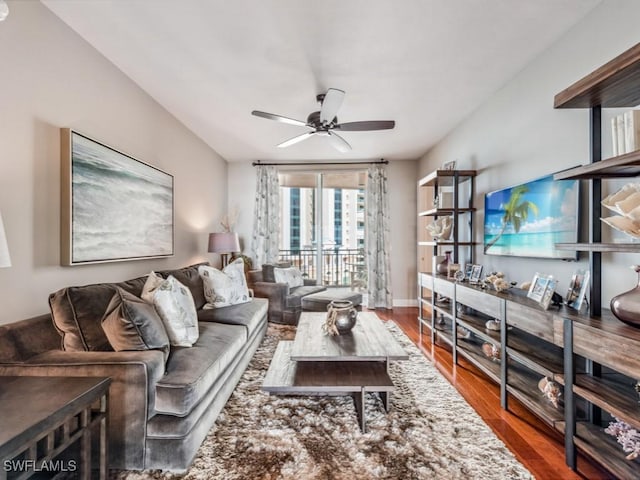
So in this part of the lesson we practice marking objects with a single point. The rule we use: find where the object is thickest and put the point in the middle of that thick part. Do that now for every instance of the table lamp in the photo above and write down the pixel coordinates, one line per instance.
(5, 259)
(224, 243)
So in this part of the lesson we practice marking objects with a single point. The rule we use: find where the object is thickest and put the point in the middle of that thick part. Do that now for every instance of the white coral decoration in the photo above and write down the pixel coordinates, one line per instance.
(500, 285)
(628, 437)
(440, 229)
(498, 281)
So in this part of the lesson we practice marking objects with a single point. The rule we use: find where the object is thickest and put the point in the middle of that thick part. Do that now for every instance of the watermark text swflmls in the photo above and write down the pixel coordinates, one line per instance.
(43, 466)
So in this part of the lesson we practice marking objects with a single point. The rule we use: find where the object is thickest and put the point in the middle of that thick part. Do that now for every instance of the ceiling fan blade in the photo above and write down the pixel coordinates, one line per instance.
(294, 140)
(364, 126)
(279, 118)
(330, 104)
(338, 142)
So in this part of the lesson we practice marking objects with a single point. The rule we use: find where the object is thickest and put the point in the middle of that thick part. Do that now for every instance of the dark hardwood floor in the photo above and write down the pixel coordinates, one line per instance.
(536, 445)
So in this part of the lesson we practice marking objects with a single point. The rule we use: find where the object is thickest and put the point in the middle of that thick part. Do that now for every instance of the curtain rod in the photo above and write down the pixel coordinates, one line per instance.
(307, 164)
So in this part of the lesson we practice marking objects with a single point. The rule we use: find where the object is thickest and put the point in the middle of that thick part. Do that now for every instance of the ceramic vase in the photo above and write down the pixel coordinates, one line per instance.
(626, 306)
(345, 315)
(443, 267)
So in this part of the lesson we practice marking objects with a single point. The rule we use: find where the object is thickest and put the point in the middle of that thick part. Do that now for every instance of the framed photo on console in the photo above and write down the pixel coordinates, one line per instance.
(548, 293)
(452, 268)
(576, 295)
(476, 273)
(538, 287)
(542, 289)
(467, 271)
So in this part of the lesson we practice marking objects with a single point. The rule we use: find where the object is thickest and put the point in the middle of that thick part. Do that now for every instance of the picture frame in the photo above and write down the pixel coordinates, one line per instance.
(449, 165)
(581, 285)
(452, 268)
(476, 274)
(538, 287)
(575, 284)
(467, 271)
(114, 207)
(548, 293)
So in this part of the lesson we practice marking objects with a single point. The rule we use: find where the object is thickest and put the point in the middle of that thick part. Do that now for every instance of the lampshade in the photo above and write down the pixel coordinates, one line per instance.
(5, 259)
(224, 242)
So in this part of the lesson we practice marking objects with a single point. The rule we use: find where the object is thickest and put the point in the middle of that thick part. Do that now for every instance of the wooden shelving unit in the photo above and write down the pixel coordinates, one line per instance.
(601, 340)
(621, 166)
(523, 385)
(600, 247)
(557, 344)
(460, 184)
(612, 85)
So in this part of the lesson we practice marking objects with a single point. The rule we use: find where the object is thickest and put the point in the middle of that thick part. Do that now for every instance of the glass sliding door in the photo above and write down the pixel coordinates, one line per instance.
(297, 222)
(322, 226)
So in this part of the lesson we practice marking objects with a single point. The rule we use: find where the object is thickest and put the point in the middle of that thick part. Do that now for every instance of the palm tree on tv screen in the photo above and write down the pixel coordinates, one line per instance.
(516, 212)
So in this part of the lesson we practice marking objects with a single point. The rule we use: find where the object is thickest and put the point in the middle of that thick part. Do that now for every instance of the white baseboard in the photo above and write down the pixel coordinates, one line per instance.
(405, 302)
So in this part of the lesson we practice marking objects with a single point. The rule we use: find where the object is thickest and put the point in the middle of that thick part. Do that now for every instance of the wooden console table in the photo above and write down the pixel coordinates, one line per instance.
(43, 416)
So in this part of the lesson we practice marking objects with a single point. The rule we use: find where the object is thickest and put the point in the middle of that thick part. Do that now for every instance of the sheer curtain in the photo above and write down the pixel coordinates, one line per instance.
(265, 242)
(377, 239)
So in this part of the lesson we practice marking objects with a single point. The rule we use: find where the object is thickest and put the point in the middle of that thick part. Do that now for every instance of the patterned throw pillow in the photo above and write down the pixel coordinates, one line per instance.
(174, 303)
(226, 287)
(153, 282)
(291, 276)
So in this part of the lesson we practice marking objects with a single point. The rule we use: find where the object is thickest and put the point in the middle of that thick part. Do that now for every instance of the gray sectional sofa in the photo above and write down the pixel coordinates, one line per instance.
(159, 412)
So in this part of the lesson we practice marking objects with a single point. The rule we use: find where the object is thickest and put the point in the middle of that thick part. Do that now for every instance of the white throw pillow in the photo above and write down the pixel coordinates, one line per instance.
(153, 282)
(174, 304)
(291, 276)
(226, 287)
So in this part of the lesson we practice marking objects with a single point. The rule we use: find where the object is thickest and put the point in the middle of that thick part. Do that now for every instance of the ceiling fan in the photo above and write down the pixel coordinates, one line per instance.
(325, 123)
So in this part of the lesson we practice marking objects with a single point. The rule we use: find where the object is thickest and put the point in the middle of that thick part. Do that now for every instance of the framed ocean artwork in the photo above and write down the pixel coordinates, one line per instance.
(113, 206)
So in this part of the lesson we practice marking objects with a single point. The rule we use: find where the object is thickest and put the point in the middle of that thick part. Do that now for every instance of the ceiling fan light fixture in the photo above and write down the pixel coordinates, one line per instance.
(325, 122)
(339, 143)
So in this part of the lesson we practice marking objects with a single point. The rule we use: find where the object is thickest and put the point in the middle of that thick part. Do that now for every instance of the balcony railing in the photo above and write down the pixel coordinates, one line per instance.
(341, 267)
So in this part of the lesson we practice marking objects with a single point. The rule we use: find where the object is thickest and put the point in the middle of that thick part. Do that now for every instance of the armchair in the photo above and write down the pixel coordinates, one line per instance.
(285, 303)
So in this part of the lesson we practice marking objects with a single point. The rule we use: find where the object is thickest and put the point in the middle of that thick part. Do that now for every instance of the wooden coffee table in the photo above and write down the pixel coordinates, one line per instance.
(352, 364)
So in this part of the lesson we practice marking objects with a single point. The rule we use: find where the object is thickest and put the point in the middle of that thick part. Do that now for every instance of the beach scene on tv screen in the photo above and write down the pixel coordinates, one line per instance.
(528, 220)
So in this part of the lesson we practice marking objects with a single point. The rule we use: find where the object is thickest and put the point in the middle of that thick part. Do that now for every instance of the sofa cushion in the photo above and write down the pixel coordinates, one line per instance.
(153, 282)
(78, 311)
(226, 287)
(294, 299)
(267, 270)
(174, 304)
(131, 323)
(191, 372)
(190, 278)
(248, 314)
(290, 275)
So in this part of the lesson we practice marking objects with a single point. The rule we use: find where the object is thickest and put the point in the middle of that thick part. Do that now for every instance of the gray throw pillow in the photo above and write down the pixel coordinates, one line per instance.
(130, 323)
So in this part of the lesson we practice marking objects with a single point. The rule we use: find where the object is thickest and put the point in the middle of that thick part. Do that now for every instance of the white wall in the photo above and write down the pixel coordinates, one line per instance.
(402, 200)
(51, 78)
(517, 135)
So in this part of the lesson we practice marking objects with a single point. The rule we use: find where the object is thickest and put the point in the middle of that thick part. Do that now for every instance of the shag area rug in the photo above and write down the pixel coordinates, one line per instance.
(430, 431)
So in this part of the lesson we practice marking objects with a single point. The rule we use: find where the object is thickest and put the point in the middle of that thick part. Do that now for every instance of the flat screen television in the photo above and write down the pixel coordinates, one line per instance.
(527, 220)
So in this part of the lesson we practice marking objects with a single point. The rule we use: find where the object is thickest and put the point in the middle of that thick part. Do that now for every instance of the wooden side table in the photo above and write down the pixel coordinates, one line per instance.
(43, 416)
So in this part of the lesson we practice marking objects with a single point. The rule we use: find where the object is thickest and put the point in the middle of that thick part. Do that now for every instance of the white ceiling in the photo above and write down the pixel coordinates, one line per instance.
(424, 63)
